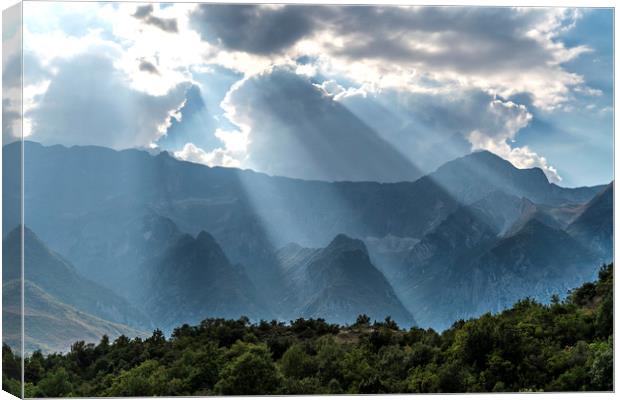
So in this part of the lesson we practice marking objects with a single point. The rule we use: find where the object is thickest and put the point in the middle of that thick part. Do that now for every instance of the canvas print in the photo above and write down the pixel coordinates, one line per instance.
(227, 199)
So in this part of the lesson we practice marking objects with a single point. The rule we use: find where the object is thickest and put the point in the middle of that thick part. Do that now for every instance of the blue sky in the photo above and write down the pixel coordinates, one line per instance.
(580, 140)
(361, 93)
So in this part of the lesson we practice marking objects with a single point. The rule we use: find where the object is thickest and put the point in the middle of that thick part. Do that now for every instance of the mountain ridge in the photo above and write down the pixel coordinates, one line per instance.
(476, 154)
(339, 282)
(194, 279)
(50, 324)
(115, 215)
(59, 278)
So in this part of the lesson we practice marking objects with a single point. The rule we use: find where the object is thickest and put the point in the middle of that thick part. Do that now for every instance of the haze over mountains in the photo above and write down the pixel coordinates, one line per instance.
(179, 242)
(61, 307)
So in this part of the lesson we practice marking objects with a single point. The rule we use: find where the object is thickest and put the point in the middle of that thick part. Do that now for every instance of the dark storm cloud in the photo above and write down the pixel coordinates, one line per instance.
(254, 28)
(471, 38)
(299, 131)
(147, 66)
(145, 13)
(165, 24)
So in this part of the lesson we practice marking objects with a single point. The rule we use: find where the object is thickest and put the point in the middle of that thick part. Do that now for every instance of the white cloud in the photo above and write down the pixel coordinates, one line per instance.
(89, 102)
(506, 119)
(233, 153)
(235, 141)
(92, 89)
(419, 64)
(172, 53)
(217, 157)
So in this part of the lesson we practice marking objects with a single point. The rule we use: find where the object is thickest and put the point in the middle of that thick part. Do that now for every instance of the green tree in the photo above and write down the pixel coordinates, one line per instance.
(305, 386)
(362, 320)
(33, 367)
(356, 369)
(251, 372)
(423, 380)
(55, 384)
(11, 363)
(199, 369)
(147, 379)
(529, 347)
(329, 357)
(602, 369)
(296, 363)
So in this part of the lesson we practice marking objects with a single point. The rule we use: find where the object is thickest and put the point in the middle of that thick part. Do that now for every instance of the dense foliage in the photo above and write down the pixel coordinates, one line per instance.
(566, 345)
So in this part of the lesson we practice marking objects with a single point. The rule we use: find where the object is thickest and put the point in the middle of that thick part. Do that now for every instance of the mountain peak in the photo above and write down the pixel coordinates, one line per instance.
(164, 154)
(290, 248)
(13, 238)
(198, 249)
(340, 282)
(14, 234)
(534, 226)
(483, 156)
(205, 238)
(343, 242)
(477, 174)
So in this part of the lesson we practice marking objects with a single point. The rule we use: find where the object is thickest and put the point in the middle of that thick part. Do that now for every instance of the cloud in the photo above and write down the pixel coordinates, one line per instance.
(145, 13)
(505, 119)
(193, 123)
(420, 80)
(260, 29)
(148, 67)
(287, 126)
(428, 128)
(499, 50)
(89, 102)
(294, 129)
(11, 75)
(11, 121)
(113, 100)
(435, 128)
(217, 157)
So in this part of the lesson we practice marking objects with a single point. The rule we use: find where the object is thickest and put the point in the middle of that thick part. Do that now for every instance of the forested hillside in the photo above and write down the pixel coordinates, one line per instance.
(564, 346)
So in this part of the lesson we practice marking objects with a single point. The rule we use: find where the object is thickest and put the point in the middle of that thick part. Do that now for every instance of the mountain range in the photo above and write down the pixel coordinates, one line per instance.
(180, 241)
(61, 307)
